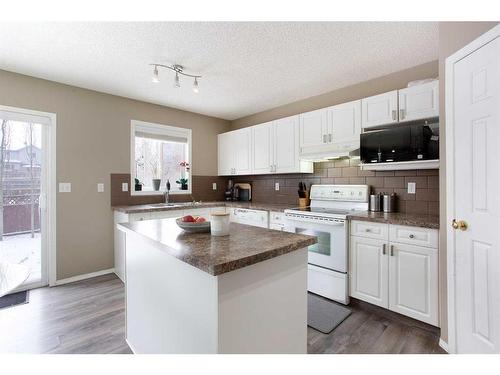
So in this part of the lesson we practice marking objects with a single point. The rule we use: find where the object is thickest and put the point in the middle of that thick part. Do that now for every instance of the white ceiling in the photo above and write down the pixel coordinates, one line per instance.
(246, 67)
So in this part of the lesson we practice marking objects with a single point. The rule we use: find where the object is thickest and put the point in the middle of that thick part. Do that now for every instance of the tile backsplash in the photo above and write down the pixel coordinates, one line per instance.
(346, 171)
(340, 172)
(202, 190)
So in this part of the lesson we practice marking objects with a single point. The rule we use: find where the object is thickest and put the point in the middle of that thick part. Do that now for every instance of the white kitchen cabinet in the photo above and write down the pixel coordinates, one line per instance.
(277, 220)
(275, 147)
(263, 155)
(413, 281)
(344, 122)
(287, 145)
(225, 151)
(380, 109)
(313, 128)
(419, 102)
(369, 270)
(395, 267)
(234, 152)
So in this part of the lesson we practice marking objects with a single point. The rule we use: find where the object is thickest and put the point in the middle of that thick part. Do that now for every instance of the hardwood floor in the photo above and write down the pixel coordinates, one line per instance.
(89, 317)
(374, 330)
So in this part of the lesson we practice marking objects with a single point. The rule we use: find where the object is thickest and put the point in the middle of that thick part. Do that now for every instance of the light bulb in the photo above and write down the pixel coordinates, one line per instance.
(156, 77)
(177, 81)
(196, 88)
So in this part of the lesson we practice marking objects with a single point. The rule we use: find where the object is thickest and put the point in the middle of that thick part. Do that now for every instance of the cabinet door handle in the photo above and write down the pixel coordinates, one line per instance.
(392, 250)
(330, 137)
(383, 249)
(401, 114)
(324, 138)
(411, 236)
(394, 114)
(271, 168)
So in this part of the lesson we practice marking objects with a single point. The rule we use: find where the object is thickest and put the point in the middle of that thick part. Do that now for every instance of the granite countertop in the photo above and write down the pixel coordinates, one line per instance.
(154, 207)
(398, 218)
(246, 245)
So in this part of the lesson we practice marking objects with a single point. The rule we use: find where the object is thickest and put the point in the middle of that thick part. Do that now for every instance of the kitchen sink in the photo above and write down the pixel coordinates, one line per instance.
(165, 205)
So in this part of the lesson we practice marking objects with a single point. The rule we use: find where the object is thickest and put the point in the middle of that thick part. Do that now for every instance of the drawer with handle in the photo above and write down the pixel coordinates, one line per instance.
(276, 217)
(414, 235)
(369, 229)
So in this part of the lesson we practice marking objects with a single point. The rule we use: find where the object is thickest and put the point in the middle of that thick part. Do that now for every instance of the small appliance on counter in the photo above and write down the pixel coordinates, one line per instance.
(389, 202)
(383, 202)
(242, 191)
(376, 202)
(229, 193)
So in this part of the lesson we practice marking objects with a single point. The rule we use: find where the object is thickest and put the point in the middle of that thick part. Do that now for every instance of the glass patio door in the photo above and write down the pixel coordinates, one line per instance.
(22, 190)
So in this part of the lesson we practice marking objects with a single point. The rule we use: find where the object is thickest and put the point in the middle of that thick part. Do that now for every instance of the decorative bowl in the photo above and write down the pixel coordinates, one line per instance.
(193, 227)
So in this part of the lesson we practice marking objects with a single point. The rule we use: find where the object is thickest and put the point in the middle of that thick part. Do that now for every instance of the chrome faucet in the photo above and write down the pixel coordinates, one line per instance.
(167, 191)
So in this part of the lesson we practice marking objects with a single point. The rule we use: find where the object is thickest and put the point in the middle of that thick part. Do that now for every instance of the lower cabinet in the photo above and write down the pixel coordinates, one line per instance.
(399, 276)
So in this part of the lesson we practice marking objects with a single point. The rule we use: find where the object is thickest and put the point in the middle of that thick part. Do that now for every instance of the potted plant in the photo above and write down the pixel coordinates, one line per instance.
(138, 185)
(183, 181)
(155, 169)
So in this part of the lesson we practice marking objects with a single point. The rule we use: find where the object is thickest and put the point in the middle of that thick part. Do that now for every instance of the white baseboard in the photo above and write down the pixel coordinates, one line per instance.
(84, 276)
(444, 345)
(130, 346)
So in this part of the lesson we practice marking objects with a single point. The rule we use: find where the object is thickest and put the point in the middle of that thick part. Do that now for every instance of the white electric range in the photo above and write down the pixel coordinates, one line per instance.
(326, 218)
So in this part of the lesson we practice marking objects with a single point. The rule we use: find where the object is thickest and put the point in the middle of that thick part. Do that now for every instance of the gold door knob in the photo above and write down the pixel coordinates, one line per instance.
(460, 224)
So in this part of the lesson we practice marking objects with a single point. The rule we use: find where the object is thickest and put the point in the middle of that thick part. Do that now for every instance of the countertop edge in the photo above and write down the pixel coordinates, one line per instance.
(233, 265)
(396, 221)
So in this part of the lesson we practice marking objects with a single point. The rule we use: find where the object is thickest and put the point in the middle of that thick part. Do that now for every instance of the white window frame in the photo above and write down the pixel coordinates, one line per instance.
(160, 129)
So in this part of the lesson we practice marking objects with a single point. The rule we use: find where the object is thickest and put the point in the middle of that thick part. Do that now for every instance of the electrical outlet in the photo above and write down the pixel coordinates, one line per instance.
(412, 187)
(277, 186)
(214, 186)
(125, 186)
(64, 187)
(100, 187)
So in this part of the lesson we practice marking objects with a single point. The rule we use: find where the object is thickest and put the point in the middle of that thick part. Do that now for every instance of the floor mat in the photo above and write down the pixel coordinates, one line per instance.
(14, 299)
(324, 315)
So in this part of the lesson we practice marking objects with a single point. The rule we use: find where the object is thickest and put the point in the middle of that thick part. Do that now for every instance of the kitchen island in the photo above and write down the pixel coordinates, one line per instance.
(195, 293)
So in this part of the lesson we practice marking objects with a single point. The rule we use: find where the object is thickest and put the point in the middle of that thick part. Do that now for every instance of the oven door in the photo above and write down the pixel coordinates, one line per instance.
(331, 249)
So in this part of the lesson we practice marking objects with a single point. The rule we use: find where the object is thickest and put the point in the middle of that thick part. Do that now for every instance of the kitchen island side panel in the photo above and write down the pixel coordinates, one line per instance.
(171, 307)
(263, 307)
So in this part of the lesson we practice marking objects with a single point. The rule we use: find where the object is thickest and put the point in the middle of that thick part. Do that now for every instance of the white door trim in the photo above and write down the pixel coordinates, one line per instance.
(50, 144)
(450, 178)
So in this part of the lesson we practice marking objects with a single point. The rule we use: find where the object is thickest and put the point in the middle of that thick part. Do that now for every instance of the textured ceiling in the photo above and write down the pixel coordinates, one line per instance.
(246, 67)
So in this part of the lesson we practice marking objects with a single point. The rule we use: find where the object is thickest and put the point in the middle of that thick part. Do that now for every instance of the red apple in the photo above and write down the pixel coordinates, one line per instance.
(188, 219)
(200, 219)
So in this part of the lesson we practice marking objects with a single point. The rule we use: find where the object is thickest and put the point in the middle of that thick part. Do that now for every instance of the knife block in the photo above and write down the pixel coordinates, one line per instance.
(304, 202)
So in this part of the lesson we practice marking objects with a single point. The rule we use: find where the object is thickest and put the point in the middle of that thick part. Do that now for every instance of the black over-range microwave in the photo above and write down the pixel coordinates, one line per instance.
(409, 142)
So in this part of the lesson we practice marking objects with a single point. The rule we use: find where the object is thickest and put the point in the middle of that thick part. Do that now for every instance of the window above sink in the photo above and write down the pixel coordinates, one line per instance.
(160, 153)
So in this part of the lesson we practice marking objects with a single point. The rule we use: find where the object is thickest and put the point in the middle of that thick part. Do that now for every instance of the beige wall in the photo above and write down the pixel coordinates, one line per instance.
(93, 141)
(372, 87)
(452, 37)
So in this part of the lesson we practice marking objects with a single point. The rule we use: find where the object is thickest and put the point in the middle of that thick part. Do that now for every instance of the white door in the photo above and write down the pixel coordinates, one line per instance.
(379, 109)
(242, 151)
(419, 102)
(344, 121)
(27, 194)
(369, 270)
(286, 145)
(313, 128)
(413, 282)
(225, 154)
(475, 174)
(262, 143)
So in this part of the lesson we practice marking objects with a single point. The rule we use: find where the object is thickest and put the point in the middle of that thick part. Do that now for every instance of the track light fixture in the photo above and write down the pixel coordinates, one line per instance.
(179, 70)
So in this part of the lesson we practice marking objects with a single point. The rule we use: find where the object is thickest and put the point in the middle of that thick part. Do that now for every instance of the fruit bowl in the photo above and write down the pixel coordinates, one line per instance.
(193, 227)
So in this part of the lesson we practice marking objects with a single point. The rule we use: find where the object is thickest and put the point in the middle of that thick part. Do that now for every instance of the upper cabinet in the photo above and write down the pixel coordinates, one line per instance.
(234, 152)
(325, 129)
(419, 102)
(380, 109)
(313, 128)
(275, 147)
(344, 122)
(412, 103)
(272, 147)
